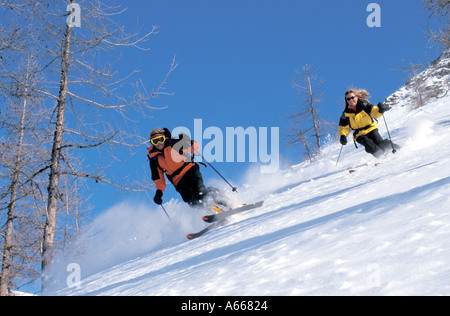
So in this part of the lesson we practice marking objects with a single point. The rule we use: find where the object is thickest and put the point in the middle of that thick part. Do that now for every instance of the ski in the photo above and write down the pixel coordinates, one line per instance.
(219, 219)
(354, 170)
(203, 231)
(220, 216)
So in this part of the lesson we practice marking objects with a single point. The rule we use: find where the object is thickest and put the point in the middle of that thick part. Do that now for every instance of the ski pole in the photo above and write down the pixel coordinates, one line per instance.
(342, 146)
(164, 209)
(389, 134)
(232, 187)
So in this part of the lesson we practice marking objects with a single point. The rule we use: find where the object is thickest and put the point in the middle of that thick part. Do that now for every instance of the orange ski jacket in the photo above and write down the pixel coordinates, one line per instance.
(171, 162)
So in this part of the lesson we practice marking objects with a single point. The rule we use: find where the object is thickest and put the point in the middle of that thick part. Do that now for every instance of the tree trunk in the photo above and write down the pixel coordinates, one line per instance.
(314, 117)
(53, 194)
(8, 245)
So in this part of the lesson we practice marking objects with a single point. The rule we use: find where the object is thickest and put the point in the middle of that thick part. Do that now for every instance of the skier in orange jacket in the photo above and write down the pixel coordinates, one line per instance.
(173, 157)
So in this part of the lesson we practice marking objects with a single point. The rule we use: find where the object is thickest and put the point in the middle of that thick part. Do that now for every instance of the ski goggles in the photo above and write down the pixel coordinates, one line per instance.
(161, 139)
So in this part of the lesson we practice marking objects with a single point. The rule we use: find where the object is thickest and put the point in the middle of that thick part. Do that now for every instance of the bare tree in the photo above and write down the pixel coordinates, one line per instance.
(23, 151)
(418, 86)
(297, 136)
(425, 83)
(16, 168)
(440, 11)
(90, 102)
(307, 126)
(89, 96)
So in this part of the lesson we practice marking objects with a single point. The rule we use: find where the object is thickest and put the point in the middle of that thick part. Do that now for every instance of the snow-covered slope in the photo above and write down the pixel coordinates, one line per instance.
(429, 85)
(382, 230)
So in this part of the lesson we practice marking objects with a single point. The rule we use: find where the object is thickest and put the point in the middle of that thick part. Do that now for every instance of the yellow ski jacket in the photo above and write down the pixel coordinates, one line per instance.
(360, 121)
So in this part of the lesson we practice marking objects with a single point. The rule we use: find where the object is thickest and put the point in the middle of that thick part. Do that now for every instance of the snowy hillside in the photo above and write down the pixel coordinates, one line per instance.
(431, 84)
(381, 230)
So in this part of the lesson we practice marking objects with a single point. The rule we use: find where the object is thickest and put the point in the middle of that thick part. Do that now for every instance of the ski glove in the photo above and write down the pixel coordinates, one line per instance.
(185, 140)
(183, 145)
(158, 197)
(343, 140)
(383, 107)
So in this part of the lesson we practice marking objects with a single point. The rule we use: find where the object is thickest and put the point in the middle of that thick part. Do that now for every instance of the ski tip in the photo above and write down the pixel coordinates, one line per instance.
(209, 218)
(189, 236)
(351, 171)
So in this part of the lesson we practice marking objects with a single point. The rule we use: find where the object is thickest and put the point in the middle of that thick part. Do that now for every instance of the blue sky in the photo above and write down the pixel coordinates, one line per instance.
(237, 60)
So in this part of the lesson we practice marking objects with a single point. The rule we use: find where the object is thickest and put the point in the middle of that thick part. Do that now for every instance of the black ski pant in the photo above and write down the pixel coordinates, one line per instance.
(194, 192)
(374, 143)
(192, 188)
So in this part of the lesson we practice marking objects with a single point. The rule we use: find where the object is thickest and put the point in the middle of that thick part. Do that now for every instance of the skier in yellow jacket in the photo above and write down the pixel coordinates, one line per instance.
(359, 115)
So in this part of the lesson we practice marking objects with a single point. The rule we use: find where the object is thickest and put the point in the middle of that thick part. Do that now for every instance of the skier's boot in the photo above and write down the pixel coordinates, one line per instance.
(216, 209)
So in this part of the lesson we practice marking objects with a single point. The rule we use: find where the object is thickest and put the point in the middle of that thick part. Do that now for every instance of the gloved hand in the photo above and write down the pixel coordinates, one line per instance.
(343, 140)
(158, 197)
(185, 140)
(184, 145)
(383, 107)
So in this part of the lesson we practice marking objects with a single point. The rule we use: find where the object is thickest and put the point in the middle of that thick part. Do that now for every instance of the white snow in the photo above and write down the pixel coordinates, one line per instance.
(382, 230)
